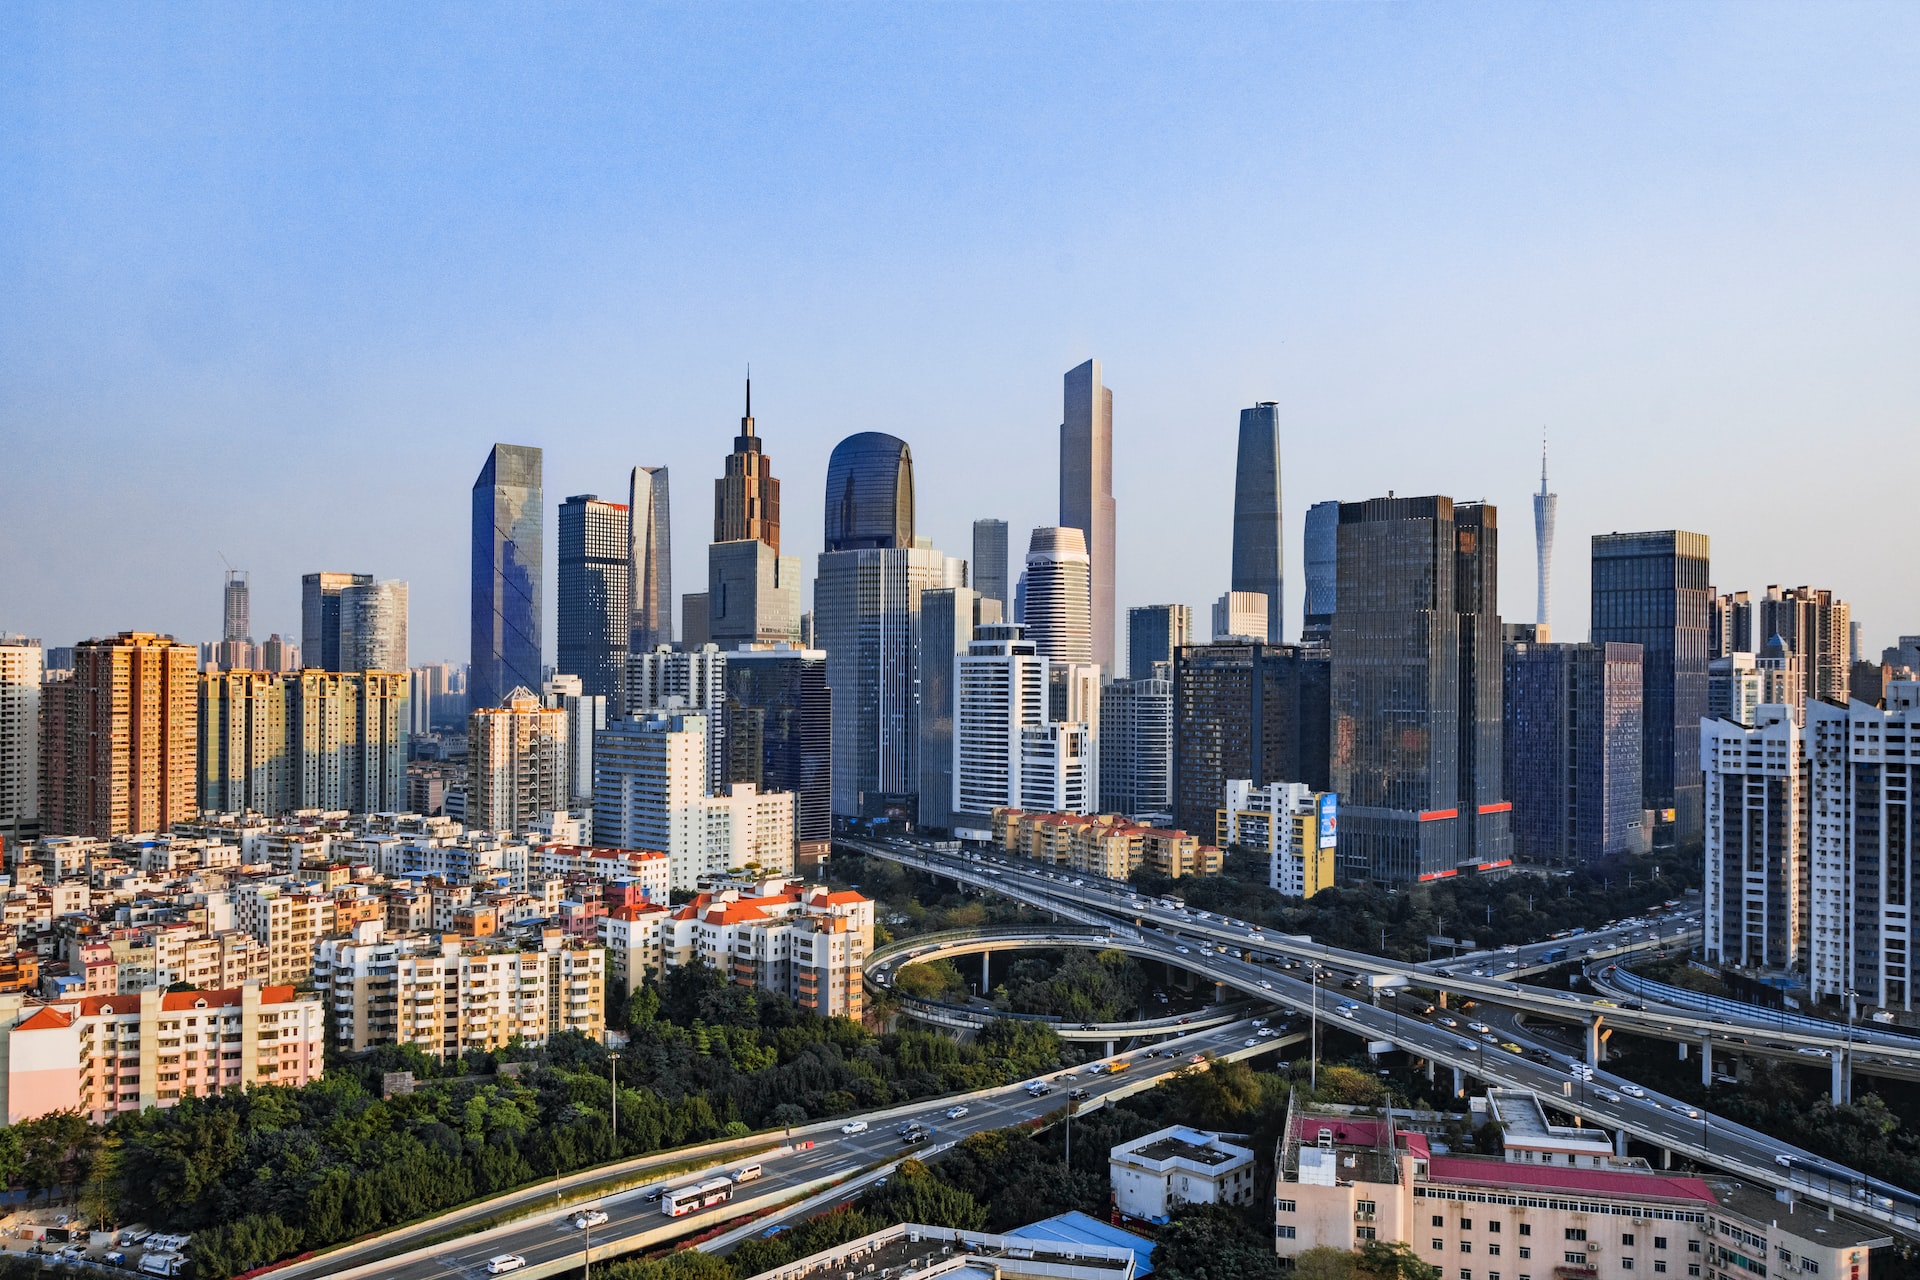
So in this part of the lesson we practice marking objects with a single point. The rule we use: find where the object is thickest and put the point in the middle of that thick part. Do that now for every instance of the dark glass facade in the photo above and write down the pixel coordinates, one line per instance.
(1154, 631)
(1417, 729)
(990, 562)
(1320, 549)
(1254, 711)
(591, 635)
(1256, 513)
(507, 584)
(870, 493)
(1573, 749)
(1651, 589)
(779, 725)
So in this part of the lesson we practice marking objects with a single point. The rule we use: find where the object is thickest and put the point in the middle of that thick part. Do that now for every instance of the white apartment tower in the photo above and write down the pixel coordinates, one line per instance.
(663, 680)
(516, 763)
(22, 664)
(1009, 752)
(1756, 846)
(1058, 600)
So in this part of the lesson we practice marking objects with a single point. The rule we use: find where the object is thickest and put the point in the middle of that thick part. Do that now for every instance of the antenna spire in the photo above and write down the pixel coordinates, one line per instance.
(1543, 459)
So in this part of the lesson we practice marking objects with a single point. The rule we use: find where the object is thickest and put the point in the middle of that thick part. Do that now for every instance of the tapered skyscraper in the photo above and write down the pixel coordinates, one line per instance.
(1543, 504)
(649, 561)
(1086, 491)
(508, 597)
(746, 500)
(1256, 512)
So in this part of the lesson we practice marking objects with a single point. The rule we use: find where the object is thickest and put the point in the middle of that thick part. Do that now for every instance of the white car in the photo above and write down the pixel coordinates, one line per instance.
(501, 1263)
(1608, 1094)
(954, 1113)
(1250, 1043)
(1183, 951)
(856, 1126)
(1481, 1027)
(1265, 984)
(1347, 1010)
(591, 1218)
(1685, 1110)
(1633, 1091)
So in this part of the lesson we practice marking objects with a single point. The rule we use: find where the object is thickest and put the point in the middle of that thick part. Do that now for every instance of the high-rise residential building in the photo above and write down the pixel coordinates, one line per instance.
(1417, 728)
(1242, 616)
(869, 493)
(236, 618)
(1730, 625)
(516, 763)
(1086, 493)
(1136, 746)
(1008, 751)
(347, 740)
(682, 680)
(1252, 711)
(586, 716)
(593, 622)
(1257, 563)
(753, 594)
(1756, 831)
(508, 596)
(244, 744)
(1294, 825)
(1320, 551)
(119, 739)
(948, 616)
(649, 560)
(1736, 688)
(420, 697)
(989, 568)
(1058, 600)
(21, 668)
(746, 500)
(1651, 589)
(320, 615)
(373, 627)
(1572, 750)
(1817, 628)
(278, 654)
(1154, 631)
(779, 736)
(1544, 505)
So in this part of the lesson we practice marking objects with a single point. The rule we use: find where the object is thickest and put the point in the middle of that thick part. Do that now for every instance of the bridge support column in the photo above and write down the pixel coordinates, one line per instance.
(1443, 999)
(1706, 1060)
(1430, 1071)
(1620, 1143)
(1220, 994)
(1666, 1158)
(1459, 1083)
(1109, 1052)
(1682, 1046)
(986, 974)
(1596, 1047)
(1842, 1089)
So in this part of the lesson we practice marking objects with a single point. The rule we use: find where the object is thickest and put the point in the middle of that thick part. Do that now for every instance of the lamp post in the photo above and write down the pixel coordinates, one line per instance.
(614, 1059)
(1846, 1068)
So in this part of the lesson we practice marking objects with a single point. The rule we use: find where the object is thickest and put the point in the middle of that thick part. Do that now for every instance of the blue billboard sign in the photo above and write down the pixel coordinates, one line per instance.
(1329, 819)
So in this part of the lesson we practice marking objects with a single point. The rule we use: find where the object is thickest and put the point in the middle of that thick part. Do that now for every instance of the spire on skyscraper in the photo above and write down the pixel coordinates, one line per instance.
(1543, 510)
(746, 500)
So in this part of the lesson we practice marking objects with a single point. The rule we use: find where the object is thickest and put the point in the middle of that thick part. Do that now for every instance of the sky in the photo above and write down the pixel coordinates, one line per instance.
(274, 279)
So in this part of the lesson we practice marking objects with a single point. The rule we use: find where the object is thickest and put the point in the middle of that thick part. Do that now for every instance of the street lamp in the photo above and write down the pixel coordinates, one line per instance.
(614, 1059)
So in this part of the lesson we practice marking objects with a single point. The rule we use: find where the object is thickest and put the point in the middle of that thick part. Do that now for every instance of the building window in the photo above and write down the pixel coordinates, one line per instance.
(1626, 1264)
(1525, 1251)
(1693, 1268)
(1526, 1228)
(1285, 1233)
(1438, 1244)
(1577, 1233)
(1493, 1225)
(1284, 1206)
(1466, 1246)
(1466, 1273)
(1466, 1224)
(1494, 1249)
(1626, 1239)
(1363, 1206)
(1659, 1267)
(1439, 1220)
(1693, 1246)
(1659, 1242)
(1578, 1259)
(1364, 1233)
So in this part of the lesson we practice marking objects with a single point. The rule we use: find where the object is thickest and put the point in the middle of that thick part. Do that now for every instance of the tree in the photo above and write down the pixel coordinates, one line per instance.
(1324, 1262)
(1380, 1260)
(915, 1195)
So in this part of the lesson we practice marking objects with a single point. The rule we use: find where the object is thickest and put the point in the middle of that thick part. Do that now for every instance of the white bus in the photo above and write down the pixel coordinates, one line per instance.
(701, 1195)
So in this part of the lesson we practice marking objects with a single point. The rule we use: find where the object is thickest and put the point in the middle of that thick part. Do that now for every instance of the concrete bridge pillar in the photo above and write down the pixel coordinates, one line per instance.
(1443, 999)
(986, 973)
(1666, 1158)
(1620, 1143)
(1706, 1060)
(1220, 993)
(1429, 1070)
(1459, 1083)
(1682, 1046)
(1596, 1043)
(1109, 1052)
(1842, 1090)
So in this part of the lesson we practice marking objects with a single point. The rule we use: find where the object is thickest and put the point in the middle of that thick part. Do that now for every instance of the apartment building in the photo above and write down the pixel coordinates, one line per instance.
(1164, 1170)
(1104, 844)
(808, 944)
(645, 868)
(516, 763)
(119, 739)
(1295, 826)
(290, 922)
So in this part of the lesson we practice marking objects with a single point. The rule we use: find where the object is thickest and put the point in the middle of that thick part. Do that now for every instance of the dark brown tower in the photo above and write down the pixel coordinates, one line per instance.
(746, 500)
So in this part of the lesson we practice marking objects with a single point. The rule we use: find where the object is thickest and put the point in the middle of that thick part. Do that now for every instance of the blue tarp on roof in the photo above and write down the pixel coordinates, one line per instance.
(1077, 1228)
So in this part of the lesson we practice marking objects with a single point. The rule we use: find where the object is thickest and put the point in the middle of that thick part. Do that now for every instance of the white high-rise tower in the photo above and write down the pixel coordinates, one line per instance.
(1543, 504)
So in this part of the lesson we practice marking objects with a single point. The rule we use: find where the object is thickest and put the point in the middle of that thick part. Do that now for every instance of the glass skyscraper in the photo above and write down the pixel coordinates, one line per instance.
(649, 560)
(1154, 631)
(779, 734)
(1651, 589)
(1240, 710)
(989, 569)
(1321, 553)
(320, 616)
(1086, 491)
(870, 493)
(1573, 750)
(591, 635)
(507, 586)
(1256, 512)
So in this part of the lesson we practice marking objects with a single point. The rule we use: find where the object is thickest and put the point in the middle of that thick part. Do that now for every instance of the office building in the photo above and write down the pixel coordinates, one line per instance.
(586, 716)
(870, 493)
(1258, 565)
(1572, 751)
(1058, 602)
(119, 739)
(508, 589)
(1154, 631)
(1254, 711)
(594, 620)
(347, 740)
(1652, 589)
(746, 499)
(1730, 625)
(516, 764)
(753, 594)
(373, 627)
(948, 616)
(20, 680)
(999, 691)
(779, 736)
(1417, 730)
(1544, 505)
(693, 620)
(649, 560)
(1136, 747)
(989, 566)
(279, 655)
(1176, 1167)
(1816, 628)
(1086, 493)
(682, 680)
(320, 616)
(1241, 617)
(236, 613)
(1289, 823)
(1320, 551)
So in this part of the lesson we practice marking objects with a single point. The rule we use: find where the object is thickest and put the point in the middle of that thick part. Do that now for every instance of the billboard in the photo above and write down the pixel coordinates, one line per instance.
(1329, 820)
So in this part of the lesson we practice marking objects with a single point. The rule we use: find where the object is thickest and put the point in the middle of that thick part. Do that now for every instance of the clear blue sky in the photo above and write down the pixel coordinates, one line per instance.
(273, 278)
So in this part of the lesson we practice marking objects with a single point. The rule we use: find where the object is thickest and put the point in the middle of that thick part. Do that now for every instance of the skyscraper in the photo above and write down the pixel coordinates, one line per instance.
(1136, 746)
(119, 754)
(1257, 563)
(753, 594)
(1058, 598)
(508, 596)
(1154, 631)
(948, 616)
(1243, 616)
(1730, 625)
(649, 560)
(869, 493)
(21, 673)
(1543, 507)
(1321, 552)
(746, 500)
(373, 626)
(1816, 627)
(593, 620)
(1651, 589)
(236, 626)
(990, 562)
(244, 745)
(1417, 729)
(1008, 750)
(680, 680)
(1573, 750)
(516, 763)
(1086, 492)
(779, 734)
(320, 615)
(1244, 711)
(586, 716)
(347, 740)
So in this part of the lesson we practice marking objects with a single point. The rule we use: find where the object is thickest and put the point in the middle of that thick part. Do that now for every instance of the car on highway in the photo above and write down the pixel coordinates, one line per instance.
(1811, 1052)
(1511, 1047)
(654, 1193)
(1266, 985)
(1077, 1095)
(1489, 1037)
(501, 1263)
(913, 1137)
(1183, 951)
(1250, 1043)
(1608, 1094)
(1633, 1091)
(1682, 1108)
(590, 1218)
(1478, 1026)
(1445, 1021)
(1348, 1010)
(1197, 1058)
(954, 1113)
(856, 1126)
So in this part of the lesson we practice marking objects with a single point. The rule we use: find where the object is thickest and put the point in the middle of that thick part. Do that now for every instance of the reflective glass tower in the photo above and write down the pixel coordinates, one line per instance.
(990, 561)
(1256, 512)
(1320, 551)
(649, 561)
(590, 640)
(1086, 491)
(507, 587)
(1154, 631)
(870, 493)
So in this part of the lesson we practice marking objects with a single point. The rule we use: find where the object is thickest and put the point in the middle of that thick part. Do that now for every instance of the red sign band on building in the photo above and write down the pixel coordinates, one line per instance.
(1434, 815)
(1440, 875)
(1505, 806)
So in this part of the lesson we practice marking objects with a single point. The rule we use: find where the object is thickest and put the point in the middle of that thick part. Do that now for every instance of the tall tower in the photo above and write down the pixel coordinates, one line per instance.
(1057, 595)
(507, 583)
(590, 639)
(1543, 504)
(236, 623)
(1086, 491)
(990, 561)
(649, 561)
(746, 500)
(1321, 556)
(869, 493)
(1256, 512)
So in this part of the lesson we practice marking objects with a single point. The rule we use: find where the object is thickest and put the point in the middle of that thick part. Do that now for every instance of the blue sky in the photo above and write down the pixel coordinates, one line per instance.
(274, 279)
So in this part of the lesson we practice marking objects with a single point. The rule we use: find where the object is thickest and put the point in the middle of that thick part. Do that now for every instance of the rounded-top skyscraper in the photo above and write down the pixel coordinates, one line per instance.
(870, 493)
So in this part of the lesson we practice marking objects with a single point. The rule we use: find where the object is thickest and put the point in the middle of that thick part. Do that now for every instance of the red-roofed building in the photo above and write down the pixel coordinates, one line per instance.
(807, 943)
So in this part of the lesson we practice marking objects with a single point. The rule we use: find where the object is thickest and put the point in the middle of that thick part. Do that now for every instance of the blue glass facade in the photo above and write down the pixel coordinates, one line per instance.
(1321, 552)
(1573, 749)
(1256, 512)
(507, 586)
(590, 639)
(1154, 631)
(870, 493)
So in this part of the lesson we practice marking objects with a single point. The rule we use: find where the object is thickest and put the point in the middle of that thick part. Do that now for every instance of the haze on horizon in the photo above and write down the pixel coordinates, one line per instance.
(275, 280)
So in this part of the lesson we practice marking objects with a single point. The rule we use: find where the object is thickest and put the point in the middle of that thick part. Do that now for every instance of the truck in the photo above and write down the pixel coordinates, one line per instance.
(1554, 955)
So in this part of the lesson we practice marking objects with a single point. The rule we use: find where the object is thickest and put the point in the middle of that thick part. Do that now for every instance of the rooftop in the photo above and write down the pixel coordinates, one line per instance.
(1195, 1146)
(1611, 1183)
(1807, 1221)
